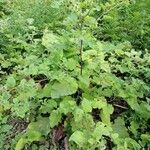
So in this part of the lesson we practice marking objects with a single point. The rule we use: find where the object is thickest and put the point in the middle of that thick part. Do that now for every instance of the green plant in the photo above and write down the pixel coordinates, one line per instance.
(65, 83)
(130, 22)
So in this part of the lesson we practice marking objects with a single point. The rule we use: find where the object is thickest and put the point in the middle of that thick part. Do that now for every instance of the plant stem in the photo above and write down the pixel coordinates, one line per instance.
(66, 143)
(81, 62)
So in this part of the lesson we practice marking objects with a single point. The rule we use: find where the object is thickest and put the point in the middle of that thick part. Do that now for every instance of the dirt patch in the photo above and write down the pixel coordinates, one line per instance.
(18, 126)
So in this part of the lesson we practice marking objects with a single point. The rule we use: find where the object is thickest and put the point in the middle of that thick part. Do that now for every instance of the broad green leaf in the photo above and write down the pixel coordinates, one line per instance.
(48, 106)
(119, 51)
(11, 82)
(99, 103)
(119, 127)
(86, 105)
(28, 137)
(42, 125)
(84, 81)
(145, 137)
(133, 103)
(70, 20)
(20, 108)
(67, 105)
(105, 66)
(78, 137)
(78, 114)
(5, 103)
(133, 127)
(70, 64)
(25, 88)
(45, 92)
(105, 114)
(1, 109)
(33, 70)
(87, 55)
(20, 144)
(33, 135)
(6, 64)
(64, 87)
(100, 130)
(132, 143)
(144, 110)
(91, 21)
(49, 39)
(55, 118)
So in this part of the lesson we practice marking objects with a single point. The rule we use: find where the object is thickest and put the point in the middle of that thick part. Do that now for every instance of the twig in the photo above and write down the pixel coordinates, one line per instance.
(120, 106)
(38, 81)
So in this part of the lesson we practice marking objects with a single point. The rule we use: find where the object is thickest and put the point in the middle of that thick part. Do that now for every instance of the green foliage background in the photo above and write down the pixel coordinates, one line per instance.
(80, 64)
